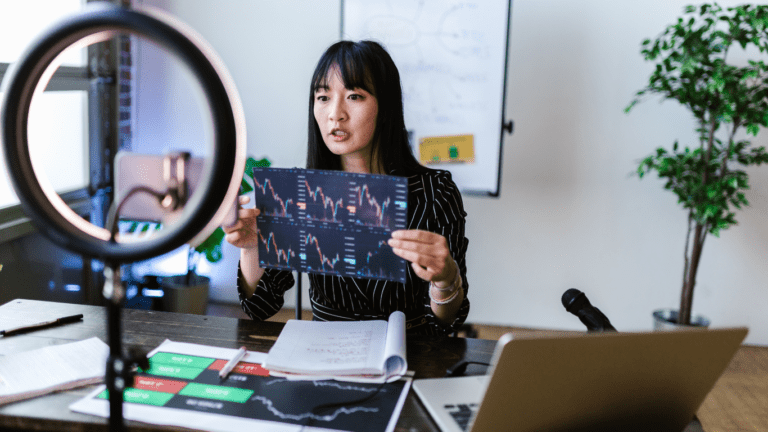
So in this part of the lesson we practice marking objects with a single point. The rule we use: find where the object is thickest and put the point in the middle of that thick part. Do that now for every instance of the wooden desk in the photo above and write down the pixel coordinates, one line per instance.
(738, 402)
(428, 357)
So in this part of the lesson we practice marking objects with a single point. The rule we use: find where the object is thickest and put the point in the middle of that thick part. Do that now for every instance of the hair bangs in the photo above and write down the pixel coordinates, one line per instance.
(350, 65)
(368, 66)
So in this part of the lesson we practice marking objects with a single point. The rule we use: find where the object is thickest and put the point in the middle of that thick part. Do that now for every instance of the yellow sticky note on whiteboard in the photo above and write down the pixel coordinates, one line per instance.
(447, 149)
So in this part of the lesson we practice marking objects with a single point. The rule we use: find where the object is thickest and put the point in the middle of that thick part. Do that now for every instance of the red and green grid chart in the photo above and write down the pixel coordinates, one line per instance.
(184, 389)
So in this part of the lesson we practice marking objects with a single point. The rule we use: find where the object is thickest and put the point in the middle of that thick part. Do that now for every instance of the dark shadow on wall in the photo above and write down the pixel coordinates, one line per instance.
(36, 269)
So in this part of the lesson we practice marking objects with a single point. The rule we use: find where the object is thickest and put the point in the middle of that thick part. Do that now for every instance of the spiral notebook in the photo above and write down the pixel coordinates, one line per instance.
(371, 351)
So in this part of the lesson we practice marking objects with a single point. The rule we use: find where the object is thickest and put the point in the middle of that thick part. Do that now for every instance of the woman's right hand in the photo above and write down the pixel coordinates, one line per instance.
(243, 233)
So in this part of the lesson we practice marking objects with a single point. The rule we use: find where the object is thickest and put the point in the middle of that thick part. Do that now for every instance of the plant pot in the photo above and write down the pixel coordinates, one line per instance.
(666, 319)
(180, 296)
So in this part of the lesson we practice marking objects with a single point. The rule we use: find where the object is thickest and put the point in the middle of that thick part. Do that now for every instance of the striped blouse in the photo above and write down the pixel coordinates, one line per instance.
(434, 204)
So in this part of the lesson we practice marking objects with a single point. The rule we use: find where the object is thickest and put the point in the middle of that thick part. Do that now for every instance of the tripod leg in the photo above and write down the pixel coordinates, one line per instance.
(116, 365)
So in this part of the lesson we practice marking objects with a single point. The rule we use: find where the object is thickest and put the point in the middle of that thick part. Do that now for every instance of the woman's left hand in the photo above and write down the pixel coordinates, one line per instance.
(428, 253)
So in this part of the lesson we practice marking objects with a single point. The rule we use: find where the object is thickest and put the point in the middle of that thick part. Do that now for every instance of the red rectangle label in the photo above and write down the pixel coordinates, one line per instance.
(158, 384)
(241, 368)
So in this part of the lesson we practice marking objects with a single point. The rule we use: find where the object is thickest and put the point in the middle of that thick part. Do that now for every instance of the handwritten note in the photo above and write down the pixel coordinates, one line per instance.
(339, 348)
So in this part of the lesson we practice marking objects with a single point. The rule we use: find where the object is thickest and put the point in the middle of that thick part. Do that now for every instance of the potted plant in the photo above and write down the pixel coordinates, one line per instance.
(189, 292)
(692, 67)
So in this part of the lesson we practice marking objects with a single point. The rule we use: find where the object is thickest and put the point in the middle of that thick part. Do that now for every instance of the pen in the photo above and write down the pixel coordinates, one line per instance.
(232, 363)
(58, 321)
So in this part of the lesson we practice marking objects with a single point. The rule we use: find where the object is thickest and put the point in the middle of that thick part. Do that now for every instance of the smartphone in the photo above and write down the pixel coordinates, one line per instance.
(134, 169)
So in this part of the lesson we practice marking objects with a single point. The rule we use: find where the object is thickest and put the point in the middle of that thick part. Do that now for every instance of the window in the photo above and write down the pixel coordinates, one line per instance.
(58, 120)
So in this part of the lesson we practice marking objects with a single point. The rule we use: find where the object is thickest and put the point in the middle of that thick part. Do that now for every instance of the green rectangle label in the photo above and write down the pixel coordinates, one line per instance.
(181, 360)
(174, 371)
(146, 397)
(230, 394)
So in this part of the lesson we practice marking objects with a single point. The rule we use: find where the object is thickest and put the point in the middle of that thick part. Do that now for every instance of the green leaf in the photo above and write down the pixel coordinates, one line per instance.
(250, 164)
(710, 211)
(689, 66)
(211, 247)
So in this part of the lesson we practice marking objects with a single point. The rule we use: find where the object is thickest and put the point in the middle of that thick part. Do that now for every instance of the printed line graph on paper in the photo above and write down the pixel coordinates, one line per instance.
(320, 258)
(277, 406)
(330, 222)
(377, 209)
(275, 195)
(375, 257)
(324, 203)
(303, 416)
(188, 382)
(277, 247)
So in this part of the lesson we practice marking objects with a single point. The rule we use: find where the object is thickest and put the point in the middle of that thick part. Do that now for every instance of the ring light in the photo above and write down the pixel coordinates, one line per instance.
(204, 211)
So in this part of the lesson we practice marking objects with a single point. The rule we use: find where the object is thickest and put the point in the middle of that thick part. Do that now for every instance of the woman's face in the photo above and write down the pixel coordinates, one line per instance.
(347, 121)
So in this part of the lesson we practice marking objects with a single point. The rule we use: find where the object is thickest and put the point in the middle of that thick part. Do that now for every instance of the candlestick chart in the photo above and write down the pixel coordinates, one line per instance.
(322, 251)
(330, 222)
(375, 258)
(378, 207)
(324, 200)
(277, 245)
(275, 193)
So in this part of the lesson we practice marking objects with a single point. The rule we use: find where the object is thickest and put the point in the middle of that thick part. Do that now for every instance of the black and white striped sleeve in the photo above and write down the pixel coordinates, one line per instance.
(268, 297)
(449, 221)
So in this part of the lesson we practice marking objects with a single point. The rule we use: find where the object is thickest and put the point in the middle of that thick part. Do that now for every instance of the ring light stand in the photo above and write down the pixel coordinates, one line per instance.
(203, 212)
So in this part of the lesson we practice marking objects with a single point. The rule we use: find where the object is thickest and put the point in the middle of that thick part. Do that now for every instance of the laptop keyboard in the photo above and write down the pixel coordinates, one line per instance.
(462, 413)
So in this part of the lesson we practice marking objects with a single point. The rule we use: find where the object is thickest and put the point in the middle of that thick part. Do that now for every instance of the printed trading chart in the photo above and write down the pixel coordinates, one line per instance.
(182, 388)
(330, 222)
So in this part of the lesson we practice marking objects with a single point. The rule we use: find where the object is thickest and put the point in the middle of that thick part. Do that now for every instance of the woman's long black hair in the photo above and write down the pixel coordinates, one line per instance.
(368, 66)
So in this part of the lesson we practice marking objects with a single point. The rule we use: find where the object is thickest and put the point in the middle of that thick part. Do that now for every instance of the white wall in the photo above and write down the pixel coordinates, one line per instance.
(270, 49)
(571, 214)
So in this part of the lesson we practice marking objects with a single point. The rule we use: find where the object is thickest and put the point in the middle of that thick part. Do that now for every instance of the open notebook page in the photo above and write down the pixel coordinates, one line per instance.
(341, 348)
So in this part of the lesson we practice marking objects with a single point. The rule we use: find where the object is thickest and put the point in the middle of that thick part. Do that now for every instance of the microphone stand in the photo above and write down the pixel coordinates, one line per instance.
(298, 295)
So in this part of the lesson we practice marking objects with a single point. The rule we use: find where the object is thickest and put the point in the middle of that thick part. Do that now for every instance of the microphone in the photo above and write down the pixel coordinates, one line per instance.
(576, 303)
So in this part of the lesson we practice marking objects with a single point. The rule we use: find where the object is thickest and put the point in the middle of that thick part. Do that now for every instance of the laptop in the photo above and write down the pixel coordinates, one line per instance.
(651, 381)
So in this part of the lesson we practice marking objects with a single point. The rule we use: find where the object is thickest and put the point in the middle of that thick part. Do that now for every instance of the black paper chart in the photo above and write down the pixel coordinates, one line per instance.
(330, 222)
(182, 387)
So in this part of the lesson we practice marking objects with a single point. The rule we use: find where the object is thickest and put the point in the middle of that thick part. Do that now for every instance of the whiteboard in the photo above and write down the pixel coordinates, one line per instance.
(452, 57)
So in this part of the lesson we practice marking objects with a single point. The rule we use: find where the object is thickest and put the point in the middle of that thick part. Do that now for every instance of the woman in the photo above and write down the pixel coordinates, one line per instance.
(356, 125)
